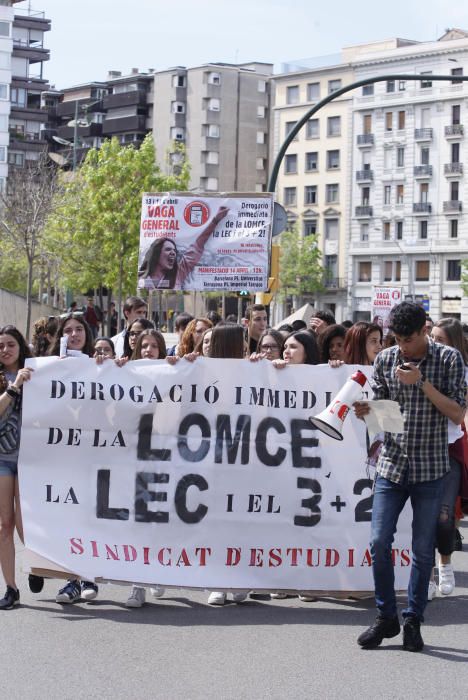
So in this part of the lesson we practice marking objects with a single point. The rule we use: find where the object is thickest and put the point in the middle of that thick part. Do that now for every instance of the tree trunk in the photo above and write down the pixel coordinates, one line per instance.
(29, 297)
(119, 297)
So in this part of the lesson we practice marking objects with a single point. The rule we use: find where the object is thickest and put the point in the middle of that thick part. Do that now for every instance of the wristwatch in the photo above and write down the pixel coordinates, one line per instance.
(420, 382)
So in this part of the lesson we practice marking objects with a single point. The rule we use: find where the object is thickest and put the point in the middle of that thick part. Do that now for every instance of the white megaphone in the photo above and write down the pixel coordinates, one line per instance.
(330, 420)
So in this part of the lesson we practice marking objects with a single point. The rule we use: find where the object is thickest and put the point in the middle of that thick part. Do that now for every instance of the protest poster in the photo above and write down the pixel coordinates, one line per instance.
(205, 475)
(383, 301)
(205, 243)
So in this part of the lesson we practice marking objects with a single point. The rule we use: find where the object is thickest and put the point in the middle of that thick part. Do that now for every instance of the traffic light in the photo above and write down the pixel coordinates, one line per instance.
(243, 293)
(273, 281)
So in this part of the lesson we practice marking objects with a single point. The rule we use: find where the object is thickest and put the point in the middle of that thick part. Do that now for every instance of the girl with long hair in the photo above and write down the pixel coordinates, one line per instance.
(363, 342)
(192, 335)
(134, 331)
(13, 353)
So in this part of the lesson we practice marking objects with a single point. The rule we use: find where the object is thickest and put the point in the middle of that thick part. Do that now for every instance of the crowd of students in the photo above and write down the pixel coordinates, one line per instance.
(323, 341)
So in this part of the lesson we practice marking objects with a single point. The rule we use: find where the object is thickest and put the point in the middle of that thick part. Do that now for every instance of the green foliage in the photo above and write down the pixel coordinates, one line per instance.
(464, 279)
(96, 225)
(301, 271)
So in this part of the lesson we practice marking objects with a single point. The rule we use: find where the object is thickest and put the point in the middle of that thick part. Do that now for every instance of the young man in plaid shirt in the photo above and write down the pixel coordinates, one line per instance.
(428, 382)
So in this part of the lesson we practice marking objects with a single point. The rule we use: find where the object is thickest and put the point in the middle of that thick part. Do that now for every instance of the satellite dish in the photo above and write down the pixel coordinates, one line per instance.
(57, 158)
(61, 141)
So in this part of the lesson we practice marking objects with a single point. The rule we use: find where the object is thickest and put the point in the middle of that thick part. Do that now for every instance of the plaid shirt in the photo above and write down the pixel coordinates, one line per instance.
(420, 453)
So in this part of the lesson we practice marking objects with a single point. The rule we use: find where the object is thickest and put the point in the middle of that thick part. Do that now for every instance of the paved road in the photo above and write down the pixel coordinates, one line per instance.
(179, 647)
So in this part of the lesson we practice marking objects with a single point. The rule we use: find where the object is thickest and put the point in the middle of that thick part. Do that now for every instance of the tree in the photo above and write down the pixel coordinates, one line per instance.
(26, 204)
(97, 222)
(301, 270)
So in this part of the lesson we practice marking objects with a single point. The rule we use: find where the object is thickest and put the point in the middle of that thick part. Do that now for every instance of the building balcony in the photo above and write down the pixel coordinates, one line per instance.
(364, 175)
(422, 170)
(365, 140)
(26, 141)
(34, 54)
(453, 169)
(119, 126)
(68, 109)
(334, 282)
(124, 99)
(454, 131)
(422, 207)
(363, 211)
(68, 132)
(453, 206)
(176, 119)
(423, 134)
(34, 114)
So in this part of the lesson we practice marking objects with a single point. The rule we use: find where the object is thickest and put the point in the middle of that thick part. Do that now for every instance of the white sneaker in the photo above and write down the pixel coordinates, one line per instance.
(137, 597)
(157, 591)
(432, 590)
(239, 597)
(446, 579)
(278, 596)
(216, 598)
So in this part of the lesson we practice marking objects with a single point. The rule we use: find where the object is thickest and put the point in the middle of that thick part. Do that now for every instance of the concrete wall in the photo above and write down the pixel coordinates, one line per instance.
(13, 310)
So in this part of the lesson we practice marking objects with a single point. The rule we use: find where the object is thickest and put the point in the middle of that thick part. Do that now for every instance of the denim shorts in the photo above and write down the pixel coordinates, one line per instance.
(8, 468)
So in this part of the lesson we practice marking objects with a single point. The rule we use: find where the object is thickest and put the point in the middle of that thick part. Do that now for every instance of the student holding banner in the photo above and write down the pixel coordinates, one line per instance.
(428, 382)
(13, 353)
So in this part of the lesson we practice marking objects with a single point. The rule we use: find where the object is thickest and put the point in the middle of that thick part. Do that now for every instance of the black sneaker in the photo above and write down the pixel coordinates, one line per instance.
(35, 583)
(89, 590)
(383, 628)
(10, 599)
(69, 593)
(412, 640)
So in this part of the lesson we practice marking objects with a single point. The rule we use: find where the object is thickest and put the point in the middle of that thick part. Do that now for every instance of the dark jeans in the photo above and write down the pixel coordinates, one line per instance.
(389, 499)
(445, 534)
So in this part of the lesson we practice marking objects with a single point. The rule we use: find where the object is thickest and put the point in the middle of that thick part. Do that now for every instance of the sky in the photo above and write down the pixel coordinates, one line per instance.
(91, 37)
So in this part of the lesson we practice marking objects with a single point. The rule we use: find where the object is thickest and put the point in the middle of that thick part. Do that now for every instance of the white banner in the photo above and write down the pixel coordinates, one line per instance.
(205, 474)
(218, 242)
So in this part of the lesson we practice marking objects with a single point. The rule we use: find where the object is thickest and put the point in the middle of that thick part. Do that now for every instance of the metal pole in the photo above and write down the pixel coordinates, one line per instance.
(75, 135)
(352, 86)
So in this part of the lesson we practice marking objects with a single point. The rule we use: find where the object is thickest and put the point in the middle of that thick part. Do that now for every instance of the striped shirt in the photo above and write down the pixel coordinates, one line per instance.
(420, 453)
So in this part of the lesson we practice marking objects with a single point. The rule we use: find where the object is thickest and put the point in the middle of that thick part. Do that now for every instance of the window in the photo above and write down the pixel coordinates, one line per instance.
(4, 91)
(392, 271)
(214, 78)
(388, 155)
(364, 232)
(2, 154)
(212, 184)
(364, 271)
(423, 230)
(453, 228)
(331, 229)
(15, 158)
(365, 194)
(401, 119)
(313, 92)
(368, 89)
(401, 85)
(311, 161)
(292, 94)
(400, 157)
(290, 163)
(334, 126)
(423, 192)
(178, 107)
(177, 133)
(455, 114)
(310, 194)
(290, 196)
(424, 155)
(427, 83)
(366, 160)
(399, 230)
(388, 121)
(454, 72)
(312, 129)
(3, 122)
(261, 86)
(453, 270)
(390, 86)
(333, 85)
(367, 124)
(310, 227)
(400, 194)
(333, 160)
(179, 81)
(213, 131)
(331, 266)
(5, 29)
(425, 117)
(260, 137)
(387, 194)
(261, 111)
(387, 234)
(454, 190)
(455, 152)
(332, 193)
(288, 127)
(212, 157)
(422, 270)
(260, 164)
(214, 105)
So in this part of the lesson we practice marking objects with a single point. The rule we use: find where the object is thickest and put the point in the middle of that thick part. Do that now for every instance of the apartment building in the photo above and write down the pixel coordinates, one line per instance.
(220, 112)
(22, 56)
(409, 225)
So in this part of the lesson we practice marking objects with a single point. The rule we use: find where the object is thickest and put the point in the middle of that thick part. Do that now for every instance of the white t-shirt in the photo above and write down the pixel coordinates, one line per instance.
(454, 430)
(118, 341)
